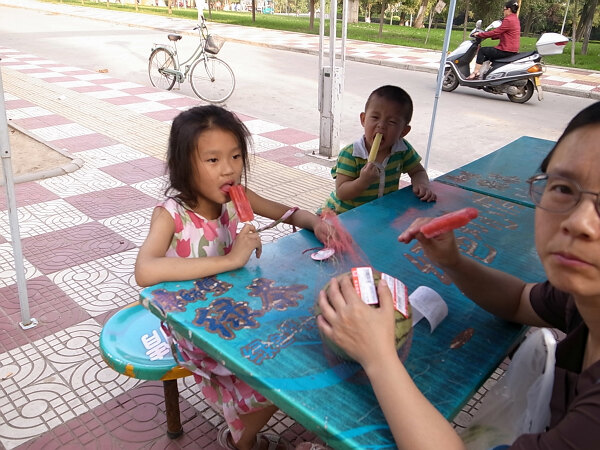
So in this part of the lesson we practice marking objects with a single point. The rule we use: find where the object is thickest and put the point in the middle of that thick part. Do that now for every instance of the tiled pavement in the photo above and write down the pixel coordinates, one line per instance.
(80, 233)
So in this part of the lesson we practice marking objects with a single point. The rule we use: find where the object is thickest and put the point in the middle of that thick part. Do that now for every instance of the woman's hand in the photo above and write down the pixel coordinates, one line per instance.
(366, 333)
(442, 250)
(246, 241)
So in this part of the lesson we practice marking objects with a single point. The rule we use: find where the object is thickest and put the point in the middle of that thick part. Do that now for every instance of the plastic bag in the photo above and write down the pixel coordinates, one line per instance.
(519, 402)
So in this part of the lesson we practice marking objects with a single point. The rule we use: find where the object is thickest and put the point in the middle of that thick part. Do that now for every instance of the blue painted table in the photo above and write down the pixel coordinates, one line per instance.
(503, 173)
(259, 320)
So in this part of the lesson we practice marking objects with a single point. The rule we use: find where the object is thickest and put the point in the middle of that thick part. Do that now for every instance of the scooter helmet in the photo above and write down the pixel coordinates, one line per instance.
(513, 5)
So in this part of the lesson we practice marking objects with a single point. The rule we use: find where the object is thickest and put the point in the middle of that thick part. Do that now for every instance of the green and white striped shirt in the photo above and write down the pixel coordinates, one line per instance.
(353, 158)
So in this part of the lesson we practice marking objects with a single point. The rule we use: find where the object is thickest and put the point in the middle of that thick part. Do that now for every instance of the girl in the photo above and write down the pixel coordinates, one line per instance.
(193, 235)
(567, 238)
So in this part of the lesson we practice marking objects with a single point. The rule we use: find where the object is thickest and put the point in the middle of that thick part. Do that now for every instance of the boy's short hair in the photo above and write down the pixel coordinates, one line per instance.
(394, 94)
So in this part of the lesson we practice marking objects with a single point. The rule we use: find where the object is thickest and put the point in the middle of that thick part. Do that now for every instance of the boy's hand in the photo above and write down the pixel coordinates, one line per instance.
(245, 243)
(424, 192)
(369, 173)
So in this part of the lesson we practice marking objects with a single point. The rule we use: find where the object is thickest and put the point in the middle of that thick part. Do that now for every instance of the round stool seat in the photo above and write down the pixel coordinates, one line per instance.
(132, 343)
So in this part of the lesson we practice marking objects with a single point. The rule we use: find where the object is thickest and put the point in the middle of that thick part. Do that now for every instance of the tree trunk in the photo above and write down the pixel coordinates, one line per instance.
(527, 24)
(311, 24)
(465, 21)
(353, 7)
(253, 10)
(382, 17)
(584, 29)
(574, 39)
(421, 14)
(170, 7)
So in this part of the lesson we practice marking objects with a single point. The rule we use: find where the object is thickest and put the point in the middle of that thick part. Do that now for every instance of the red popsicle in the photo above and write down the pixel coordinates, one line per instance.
(241, 203)
(447, 222)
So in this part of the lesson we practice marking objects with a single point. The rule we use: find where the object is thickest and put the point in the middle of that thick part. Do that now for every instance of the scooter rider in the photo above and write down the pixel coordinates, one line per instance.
(509, 33)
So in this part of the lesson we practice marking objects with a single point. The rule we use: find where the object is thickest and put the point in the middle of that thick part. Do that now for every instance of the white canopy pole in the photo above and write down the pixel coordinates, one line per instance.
(27, 321)
(440, 77)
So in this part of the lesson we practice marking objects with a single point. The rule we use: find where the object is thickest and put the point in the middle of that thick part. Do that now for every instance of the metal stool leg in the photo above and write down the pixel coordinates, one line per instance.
(174, 428)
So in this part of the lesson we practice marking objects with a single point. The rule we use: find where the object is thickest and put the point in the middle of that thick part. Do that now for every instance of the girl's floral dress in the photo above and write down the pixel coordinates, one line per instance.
(196, 237)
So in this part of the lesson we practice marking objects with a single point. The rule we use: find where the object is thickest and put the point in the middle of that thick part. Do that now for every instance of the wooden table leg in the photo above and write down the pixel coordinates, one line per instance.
(174, 428)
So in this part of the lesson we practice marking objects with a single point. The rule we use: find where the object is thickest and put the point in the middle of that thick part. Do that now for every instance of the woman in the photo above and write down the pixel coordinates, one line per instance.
(567, 238)
(509, 33)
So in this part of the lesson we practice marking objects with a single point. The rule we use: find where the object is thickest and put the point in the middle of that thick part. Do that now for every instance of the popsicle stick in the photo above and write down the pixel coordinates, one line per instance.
(375, 147)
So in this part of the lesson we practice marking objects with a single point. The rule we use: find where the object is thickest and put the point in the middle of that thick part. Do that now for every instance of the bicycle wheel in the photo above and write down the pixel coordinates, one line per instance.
(212, 79)
(160, 58)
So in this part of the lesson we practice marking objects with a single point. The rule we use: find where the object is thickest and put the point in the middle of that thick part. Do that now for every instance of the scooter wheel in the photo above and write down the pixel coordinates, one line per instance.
(450, 81)
(525, 95)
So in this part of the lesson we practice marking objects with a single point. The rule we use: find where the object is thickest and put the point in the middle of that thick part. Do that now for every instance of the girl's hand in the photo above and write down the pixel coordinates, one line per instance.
(245, 243)
(442, 250)
(324, 232)
(364, 332)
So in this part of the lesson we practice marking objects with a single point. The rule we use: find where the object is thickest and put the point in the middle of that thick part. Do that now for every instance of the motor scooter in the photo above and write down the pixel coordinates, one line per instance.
(517, 75)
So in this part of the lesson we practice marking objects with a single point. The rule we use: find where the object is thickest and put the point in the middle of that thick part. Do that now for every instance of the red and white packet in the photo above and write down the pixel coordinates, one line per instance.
(364, 284)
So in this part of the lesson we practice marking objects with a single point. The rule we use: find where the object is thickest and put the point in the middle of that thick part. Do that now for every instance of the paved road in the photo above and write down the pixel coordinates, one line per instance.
(281, 86)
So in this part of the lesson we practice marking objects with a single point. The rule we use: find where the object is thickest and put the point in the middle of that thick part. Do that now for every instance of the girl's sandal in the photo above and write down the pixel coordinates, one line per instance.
(272, 441)
(473, 76)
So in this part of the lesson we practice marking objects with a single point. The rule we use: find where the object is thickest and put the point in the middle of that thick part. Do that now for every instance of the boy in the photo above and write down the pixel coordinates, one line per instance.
(388, 111)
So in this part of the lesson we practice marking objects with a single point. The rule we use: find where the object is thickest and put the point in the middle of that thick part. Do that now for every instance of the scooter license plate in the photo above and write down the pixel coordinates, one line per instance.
(537, 81)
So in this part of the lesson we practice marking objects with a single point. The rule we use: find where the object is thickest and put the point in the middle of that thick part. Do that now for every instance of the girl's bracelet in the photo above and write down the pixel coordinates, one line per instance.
(287, 215)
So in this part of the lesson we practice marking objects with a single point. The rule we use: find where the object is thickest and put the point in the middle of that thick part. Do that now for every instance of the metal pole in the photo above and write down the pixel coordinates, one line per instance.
(26, 320)
(321, 52)
(565, 18)
(440, 77)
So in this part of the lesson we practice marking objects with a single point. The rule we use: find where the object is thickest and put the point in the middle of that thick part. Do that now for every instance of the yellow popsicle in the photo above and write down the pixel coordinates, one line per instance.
(375, 147)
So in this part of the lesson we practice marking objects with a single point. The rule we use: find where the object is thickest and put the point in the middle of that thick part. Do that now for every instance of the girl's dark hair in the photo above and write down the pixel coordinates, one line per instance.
(395, 94)
(185, 131)
(588, 116)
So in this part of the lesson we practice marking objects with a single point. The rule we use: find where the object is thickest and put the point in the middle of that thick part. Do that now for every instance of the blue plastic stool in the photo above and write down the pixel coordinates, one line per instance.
(132, 343)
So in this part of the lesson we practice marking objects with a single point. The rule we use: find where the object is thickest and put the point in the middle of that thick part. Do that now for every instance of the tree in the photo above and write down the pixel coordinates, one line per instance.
(382, 17)
(574, 41)
(466, 20)
(584, 29)
(421, 14)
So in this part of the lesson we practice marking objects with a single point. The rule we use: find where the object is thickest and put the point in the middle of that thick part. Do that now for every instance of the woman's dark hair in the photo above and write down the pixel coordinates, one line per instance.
(513, 5)
(395, 94)
(185, 131)
(588, 116)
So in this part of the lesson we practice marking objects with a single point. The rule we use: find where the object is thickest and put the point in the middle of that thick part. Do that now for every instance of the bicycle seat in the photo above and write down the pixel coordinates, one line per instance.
(174, 37)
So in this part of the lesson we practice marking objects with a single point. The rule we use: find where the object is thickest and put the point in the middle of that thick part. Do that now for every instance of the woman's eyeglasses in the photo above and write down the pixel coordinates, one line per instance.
(557, 194)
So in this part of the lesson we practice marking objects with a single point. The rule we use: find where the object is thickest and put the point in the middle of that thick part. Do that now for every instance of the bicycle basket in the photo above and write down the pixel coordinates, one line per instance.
(213, 44)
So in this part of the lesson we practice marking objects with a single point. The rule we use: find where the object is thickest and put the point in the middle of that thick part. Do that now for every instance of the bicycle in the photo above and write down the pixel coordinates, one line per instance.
(211, 78)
